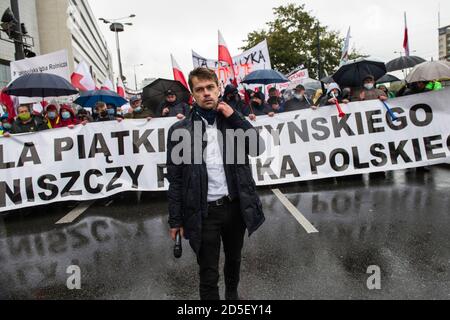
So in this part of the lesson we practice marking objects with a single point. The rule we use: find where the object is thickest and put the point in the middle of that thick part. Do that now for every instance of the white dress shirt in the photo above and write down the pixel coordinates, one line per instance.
(217, 180)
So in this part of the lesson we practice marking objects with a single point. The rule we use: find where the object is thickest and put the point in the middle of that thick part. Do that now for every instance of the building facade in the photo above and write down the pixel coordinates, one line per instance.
(56, 25)
(71, 25)
(444, 43)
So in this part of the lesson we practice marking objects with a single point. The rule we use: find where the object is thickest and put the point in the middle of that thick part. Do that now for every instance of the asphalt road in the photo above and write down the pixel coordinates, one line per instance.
(399, 223)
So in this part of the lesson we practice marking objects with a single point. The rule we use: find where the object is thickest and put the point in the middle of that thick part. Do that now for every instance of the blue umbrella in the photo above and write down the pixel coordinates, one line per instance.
(89, 99)
(265, 77)
(40, 85)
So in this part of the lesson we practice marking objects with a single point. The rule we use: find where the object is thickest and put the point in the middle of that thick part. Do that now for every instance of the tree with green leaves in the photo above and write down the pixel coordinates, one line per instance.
(293, 40)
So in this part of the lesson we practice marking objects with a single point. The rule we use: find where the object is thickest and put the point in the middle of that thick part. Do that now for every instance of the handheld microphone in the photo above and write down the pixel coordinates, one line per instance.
(178, 248)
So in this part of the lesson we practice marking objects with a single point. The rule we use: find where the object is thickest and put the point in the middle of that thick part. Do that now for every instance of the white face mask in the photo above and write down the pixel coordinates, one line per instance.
(298, 96)
(368, 86)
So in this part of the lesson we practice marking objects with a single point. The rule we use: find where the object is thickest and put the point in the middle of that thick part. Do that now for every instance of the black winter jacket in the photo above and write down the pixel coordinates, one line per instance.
(188, 188)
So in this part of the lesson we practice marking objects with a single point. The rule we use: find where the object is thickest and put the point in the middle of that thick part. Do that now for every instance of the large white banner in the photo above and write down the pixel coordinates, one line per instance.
(103, 159)
(256, 58)
(54, 63)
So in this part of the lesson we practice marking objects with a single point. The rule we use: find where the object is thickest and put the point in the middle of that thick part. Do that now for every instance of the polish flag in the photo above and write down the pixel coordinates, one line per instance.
(177, 73)
(346, 48)
(406, 39)
(82, 78)
(225, 56)
(10, 103)
(120, 88)
(107, 85)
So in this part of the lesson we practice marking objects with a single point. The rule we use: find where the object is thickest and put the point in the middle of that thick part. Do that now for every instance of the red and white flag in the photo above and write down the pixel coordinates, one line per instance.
(406, 39)
(120, 88)
(177, 73)
(346, 48)
(107, 85)
(225, 56)
(82, 78)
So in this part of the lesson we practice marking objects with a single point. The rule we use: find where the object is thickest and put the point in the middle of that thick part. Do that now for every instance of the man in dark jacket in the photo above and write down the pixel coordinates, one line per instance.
(102, 113)
(27, 122)
(213, 197)
(233, 99)
(258, 106)
(299, 102)
(171, 107)
(138, 111)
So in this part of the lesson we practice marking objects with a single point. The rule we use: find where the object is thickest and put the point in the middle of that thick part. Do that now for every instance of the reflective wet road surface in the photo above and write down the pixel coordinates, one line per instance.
(399, 223)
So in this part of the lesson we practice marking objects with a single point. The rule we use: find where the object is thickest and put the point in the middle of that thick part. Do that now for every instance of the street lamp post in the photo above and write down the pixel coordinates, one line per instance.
(135, 75)
(18, 40)
(116, 26)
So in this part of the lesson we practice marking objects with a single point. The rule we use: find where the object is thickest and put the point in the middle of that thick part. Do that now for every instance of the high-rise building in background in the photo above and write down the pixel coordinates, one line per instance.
(56, 25)
(444, 43)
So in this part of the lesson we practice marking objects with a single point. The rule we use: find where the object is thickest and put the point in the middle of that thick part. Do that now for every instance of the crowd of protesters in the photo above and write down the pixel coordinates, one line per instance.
(250, 103)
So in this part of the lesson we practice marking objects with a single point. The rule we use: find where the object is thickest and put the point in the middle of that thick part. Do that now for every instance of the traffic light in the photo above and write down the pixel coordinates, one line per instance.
(28, 53)
(23, 28)
(9, 23)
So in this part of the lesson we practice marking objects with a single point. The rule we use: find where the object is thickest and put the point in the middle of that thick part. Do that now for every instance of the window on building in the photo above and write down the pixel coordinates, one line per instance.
(5, 75)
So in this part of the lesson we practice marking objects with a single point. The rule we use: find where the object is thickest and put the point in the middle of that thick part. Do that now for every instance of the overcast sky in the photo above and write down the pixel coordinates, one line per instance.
(178, 26)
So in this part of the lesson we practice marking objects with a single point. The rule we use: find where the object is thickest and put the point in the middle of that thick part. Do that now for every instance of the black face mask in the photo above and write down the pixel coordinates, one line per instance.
(103, 114)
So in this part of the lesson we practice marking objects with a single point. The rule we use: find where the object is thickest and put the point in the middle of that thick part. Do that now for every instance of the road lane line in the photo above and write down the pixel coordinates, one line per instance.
(294, 211)
(75, 213)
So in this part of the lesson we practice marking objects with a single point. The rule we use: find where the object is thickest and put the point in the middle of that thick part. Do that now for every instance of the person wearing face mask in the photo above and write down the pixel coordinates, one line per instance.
(299, 101)
(138, 111)
(370, 92)
(84, 116)
(233, 99)
(5, 125)
(52, 116)
(68, 118)
(102, 113)
(258, 106)
(334, 94)
(27, 122)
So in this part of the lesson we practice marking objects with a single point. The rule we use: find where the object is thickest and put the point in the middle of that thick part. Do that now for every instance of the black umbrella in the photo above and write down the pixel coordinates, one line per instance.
(403, 63)
(327, 79)
(265, 77)
(155, 93)
(353, 72)
(388, 78)
(40, 85)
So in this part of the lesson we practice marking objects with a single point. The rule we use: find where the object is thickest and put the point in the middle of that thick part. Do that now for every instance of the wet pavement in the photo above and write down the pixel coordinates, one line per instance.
(400, 223)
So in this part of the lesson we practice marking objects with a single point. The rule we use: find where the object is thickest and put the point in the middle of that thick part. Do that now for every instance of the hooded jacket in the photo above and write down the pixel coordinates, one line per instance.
(69, 122)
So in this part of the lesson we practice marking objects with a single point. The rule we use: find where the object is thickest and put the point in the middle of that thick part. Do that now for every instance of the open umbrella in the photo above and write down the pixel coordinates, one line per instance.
(353, 72)
(40, 85)
(89, 99)
(429, 71)
(387, 78)
(265, 77)
(403, 63)
(155, 93)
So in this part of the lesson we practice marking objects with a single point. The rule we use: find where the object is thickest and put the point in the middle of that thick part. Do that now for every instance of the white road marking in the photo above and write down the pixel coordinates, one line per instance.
(294, 211)
(75, 213)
